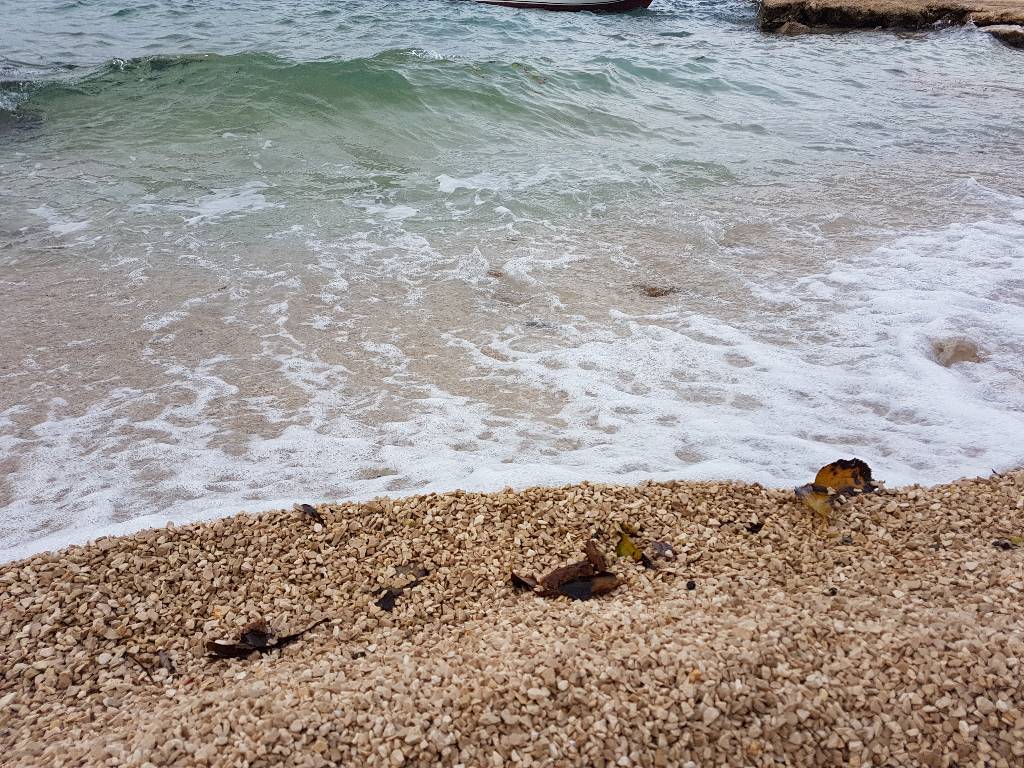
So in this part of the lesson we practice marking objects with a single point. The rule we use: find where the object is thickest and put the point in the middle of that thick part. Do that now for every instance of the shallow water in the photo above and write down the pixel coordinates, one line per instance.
(317, 250)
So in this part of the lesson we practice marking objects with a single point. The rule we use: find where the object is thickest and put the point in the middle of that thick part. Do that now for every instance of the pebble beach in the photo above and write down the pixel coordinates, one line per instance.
(891, 637)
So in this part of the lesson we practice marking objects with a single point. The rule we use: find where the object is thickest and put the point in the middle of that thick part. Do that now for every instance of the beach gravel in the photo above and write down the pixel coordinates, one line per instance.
(893, 638)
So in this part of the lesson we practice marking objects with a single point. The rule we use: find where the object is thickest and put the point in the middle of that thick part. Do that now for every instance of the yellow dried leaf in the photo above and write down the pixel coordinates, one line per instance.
(626, 547)
(816, 498)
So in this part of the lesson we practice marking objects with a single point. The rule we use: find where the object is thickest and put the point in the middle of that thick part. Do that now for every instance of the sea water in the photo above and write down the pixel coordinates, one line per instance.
(253, 253)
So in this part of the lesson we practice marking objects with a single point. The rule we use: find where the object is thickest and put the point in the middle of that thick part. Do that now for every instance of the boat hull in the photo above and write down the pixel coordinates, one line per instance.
(597, 6)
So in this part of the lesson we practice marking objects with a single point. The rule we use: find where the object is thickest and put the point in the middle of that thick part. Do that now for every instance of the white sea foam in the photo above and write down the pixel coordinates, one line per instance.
(670, 394)
(218, 204)
(59, 225)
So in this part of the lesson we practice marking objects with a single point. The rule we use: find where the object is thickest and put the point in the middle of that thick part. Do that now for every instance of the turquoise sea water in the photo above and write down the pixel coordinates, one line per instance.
(259, 252)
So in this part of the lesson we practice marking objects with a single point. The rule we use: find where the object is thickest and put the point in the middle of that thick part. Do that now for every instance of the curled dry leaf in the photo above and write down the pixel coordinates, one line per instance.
(523, 583)
(663, 550)
(409, 576)
(816, 499)
(658, 291)
(386, 602)
(166, 662)
(255, 636)
(579, 570)
(581, 580)
(845, 476)
(595, 556)
(310, 511)
(626, 547)
(590, 586)
(1006, 544)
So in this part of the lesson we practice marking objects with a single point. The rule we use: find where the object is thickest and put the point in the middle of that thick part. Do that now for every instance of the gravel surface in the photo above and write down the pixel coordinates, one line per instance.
(893, 638)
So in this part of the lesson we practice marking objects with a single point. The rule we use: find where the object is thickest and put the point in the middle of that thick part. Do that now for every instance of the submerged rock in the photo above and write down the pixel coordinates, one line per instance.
(947, 352)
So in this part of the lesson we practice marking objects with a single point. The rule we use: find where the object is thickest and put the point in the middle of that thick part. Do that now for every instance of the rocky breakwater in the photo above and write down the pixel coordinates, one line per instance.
(1004, 18)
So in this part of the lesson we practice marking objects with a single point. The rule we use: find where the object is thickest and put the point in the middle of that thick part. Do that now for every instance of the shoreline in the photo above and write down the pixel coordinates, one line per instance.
(894, 638)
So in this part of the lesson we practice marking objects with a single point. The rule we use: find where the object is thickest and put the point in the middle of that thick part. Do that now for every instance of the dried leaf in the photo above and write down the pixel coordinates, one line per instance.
(590, 586)
(815, 498)
(387, 600)
(1017, 541)
(523, 583)
(663, 550)
(845, 476)
(595, 556)
(626, 547)
(580, 570)
(310, 511)
(658, 291)
(257, 632)
(225, 649)
(165, 662)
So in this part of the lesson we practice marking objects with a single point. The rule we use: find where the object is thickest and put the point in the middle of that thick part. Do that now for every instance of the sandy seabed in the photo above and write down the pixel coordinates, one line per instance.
(894, 638)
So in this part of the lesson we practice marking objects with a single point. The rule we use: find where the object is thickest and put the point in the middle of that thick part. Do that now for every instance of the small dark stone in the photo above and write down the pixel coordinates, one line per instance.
(1003, 544)
(755, 527)
(846, 541)
(691, 585)
(832, 592)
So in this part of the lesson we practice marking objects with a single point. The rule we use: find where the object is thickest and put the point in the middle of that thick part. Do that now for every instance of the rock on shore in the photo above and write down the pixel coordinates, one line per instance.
(1010, 34)
(781, 15)
(896, 638)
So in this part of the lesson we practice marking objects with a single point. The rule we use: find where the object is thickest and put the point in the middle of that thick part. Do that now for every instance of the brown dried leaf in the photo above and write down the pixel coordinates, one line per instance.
(595, 556)
(658, 291)
(310, 511)
(386, 602)
(523, 583)
(255, 636)
(580, 570)
(590, 586)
